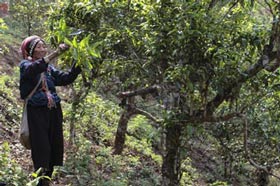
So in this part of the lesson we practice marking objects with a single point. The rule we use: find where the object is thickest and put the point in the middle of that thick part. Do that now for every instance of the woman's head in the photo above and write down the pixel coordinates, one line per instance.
(33, 48)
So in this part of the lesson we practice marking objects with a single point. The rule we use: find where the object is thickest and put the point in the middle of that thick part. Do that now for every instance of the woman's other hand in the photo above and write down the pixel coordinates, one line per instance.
(63, 47)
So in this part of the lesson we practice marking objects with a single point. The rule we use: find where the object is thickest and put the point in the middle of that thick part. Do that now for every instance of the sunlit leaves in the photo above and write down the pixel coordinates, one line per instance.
(82, 49)
(61, 32)
(3, 26)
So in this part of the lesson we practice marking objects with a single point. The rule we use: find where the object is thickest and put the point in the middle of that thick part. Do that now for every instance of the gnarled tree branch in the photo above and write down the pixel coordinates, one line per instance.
(139, 92)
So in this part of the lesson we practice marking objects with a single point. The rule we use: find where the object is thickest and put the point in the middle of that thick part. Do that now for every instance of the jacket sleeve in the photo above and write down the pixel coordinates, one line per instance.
(30, 70)
(30, 75)
(65, 78)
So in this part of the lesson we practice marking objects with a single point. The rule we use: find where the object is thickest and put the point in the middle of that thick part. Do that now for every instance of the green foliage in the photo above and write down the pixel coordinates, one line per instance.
(189, 174)
(31, 22)
(96, 118)
(3, 25)
(79, 163)
(10, 172)
(197, 42)
(129, 169)
(10, 107)
(91, 164)
(84, 46)
(144, 138)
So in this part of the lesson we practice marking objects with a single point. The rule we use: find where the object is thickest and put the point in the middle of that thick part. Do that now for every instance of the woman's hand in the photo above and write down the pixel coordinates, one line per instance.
(63, 47)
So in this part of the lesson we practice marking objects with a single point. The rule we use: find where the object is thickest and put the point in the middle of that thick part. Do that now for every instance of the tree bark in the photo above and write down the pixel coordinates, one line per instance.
(129, 111)
(172, 161)
(121, 131)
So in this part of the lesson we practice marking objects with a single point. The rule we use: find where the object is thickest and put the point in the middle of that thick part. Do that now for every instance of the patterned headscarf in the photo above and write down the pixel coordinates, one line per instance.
(28, 45)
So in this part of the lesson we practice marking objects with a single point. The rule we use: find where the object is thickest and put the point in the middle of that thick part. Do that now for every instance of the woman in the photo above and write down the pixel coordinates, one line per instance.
(43, 108)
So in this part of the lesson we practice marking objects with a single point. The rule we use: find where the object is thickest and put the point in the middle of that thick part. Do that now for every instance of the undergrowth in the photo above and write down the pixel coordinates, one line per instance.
(10, 172)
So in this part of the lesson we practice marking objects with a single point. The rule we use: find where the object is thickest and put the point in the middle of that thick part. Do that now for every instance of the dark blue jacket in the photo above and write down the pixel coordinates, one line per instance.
(30, 73)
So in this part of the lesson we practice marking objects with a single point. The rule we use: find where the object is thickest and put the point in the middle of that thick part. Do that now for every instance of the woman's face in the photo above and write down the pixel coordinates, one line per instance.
(40, 50)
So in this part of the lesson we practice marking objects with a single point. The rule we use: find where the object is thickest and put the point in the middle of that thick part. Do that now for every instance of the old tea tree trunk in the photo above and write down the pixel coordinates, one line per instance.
(171, 159)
